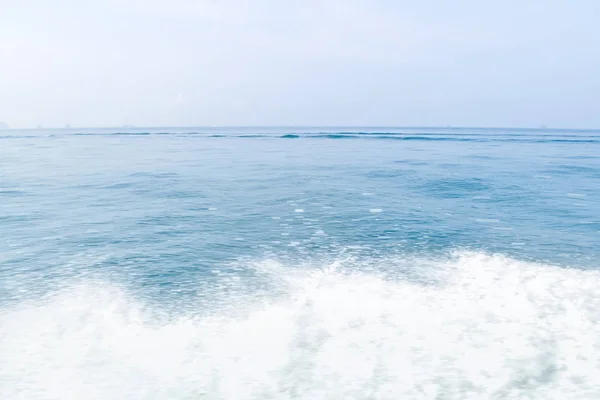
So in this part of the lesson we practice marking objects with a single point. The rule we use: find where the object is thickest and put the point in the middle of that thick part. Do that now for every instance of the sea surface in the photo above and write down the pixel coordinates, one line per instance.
(299, 263)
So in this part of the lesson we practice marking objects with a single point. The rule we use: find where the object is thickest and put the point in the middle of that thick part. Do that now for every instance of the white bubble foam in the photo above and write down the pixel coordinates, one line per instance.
(487, 220)
(478, 327)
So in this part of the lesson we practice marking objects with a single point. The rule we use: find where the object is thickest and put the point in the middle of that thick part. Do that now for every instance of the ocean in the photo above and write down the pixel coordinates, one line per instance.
(299, 263)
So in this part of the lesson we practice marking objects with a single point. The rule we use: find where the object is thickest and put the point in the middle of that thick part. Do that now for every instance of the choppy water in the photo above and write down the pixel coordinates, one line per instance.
(288, 263)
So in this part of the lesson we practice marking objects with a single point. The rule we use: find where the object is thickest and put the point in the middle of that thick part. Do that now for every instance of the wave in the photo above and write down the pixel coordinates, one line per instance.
(459, 136)
(472, 326)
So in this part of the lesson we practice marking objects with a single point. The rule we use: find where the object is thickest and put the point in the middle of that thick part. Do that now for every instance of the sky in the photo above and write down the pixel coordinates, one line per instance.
(490, 63)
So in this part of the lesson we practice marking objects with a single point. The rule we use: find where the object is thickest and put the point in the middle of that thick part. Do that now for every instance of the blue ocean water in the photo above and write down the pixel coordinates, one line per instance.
(304, 263)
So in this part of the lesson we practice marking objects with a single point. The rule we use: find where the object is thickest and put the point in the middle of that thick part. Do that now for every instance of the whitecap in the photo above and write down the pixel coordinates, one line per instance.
(473, 326)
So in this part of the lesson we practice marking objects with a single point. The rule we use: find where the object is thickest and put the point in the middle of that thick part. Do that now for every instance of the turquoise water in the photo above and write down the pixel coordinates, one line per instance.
(280, 263)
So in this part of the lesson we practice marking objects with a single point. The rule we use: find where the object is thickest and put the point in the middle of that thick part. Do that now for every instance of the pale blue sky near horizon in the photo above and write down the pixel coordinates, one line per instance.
(329, 62)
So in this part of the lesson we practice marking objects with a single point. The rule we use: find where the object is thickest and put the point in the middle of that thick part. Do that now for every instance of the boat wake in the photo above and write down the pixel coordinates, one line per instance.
(472, 326)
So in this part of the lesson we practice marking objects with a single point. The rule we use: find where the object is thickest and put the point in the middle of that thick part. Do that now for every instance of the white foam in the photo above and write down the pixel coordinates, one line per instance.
(487, 220)
(471, 327)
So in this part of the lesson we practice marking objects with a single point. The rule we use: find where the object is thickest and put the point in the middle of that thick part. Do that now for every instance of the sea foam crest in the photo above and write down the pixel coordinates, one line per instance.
(474, 326)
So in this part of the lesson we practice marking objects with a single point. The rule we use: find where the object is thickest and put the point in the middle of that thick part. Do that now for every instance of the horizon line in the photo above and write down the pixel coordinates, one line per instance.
(129, 126)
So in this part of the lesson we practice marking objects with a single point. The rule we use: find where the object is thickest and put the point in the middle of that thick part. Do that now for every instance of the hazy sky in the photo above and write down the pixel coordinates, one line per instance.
(300, 62)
